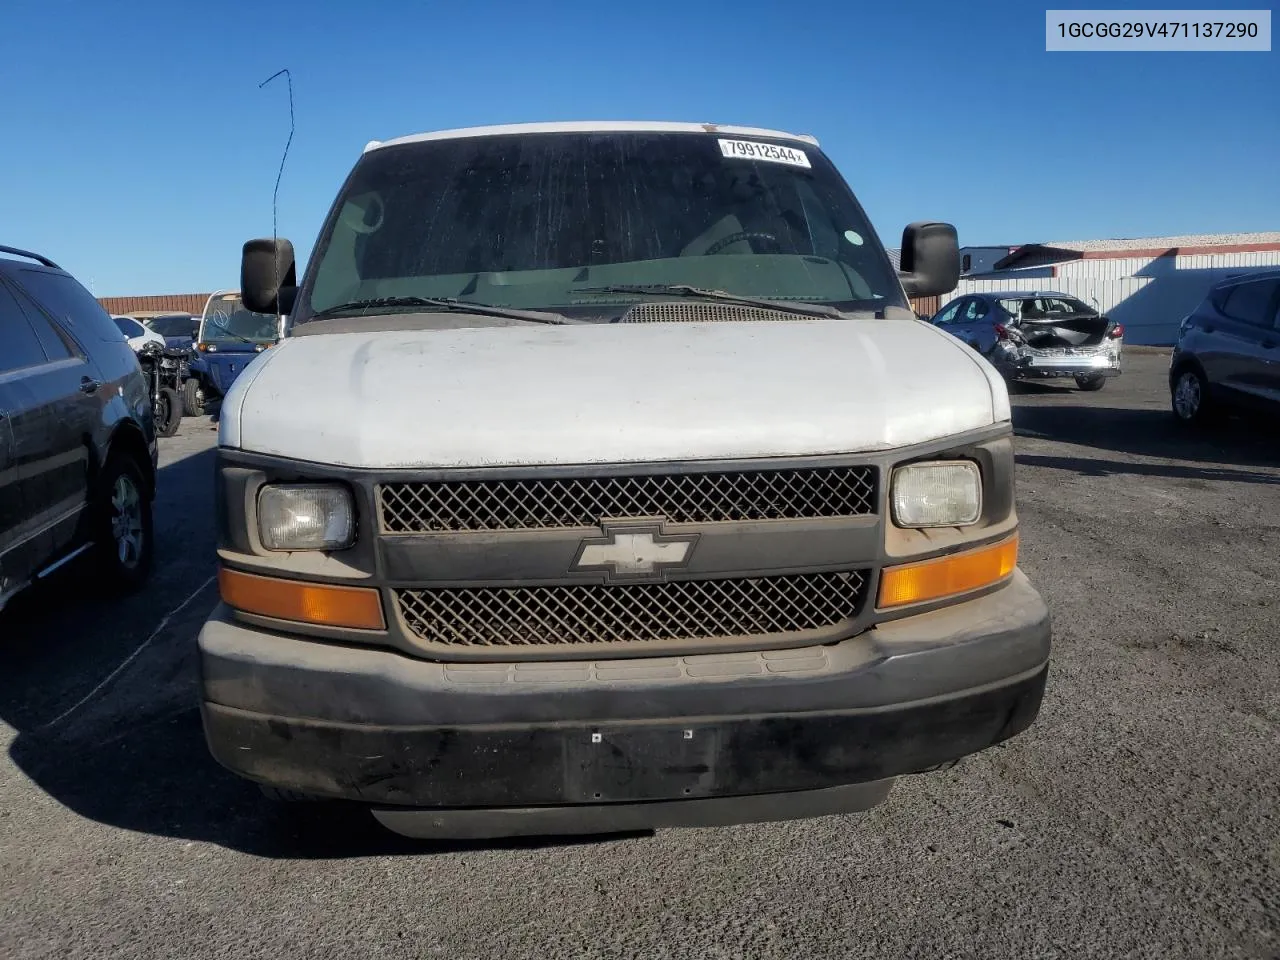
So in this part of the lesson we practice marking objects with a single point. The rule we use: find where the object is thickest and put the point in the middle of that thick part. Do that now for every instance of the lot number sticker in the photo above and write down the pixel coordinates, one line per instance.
(751, 150)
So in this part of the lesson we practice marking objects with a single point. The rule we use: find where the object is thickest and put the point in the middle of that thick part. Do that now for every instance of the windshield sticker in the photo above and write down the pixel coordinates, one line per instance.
(750, 150)
(853, 237)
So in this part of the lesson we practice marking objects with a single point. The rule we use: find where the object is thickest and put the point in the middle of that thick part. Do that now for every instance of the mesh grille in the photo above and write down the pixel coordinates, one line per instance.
(681, 498)
(702, 313)
(631, 613)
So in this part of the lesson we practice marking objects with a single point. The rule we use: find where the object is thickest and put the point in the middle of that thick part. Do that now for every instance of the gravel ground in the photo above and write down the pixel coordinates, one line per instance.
(1137, 817)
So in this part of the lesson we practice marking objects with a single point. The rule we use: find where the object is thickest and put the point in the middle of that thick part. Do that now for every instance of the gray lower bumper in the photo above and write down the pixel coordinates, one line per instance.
(698, 739)
(579, 819)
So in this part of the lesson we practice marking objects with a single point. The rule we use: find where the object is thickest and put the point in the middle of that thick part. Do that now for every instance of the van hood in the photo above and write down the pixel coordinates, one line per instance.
(609, 393)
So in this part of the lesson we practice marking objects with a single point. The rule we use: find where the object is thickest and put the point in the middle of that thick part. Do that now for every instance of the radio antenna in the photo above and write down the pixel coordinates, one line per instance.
(275, 194)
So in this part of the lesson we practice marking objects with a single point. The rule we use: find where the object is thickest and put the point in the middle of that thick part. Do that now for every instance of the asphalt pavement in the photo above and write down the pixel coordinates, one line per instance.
(1138, 817)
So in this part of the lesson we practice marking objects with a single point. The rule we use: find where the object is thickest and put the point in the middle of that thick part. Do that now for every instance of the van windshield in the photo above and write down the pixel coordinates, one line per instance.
(543, 220)
(226, 319)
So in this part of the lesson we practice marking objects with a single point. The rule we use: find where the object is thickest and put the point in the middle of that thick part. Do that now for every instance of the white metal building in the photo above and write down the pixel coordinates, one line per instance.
(981, 259)
(1148, 284)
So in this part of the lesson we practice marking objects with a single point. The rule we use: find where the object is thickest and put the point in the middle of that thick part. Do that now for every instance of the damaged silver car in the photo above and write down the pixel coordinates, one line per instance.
(1034, 335)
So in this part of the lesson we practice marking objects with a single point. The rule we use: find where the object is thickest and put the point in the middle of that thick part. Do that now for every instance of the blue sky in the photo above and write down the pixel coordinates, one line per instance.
(140, 153)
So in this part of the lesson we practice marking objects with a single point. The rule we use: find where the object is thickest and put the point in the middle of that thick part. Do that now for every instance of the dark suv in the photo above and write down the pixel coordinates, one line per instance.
(1228, 350)
(77, 443)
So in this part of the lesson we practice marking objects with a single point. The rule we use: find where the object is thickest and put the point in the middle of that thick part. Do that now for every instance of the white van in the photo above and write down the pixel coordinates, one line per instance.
(605, 480)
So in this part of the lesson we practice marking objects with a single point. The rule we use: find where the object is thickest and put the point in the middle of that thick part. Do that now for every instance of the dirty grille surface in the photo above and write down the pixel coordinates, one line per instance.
(682, 498)
(631, 613)
(702, 313)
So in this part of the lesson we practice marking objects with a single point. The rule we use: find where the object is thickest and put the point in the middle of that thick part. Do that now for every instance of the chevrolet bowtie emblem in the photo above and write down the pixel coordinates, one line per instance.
(634, 551)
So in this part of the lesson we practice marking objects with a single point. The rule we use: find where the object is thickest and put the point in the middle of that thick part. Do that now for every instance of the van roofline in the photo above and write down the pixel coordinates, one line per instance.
(591, 126)
(209, 299)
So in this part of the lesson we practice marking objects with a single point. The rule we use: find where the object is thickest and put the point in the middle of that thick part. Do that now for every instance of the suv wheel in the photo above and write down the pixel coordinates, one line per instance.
(1090, 384)
(123, 521)
(193, 398)
(1189, 397)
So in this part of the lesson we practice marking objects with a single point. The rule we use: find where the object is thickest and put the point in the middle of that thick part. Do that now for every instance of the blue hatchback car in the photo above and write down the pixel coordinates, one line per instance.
(228, 339)
(1037, 334)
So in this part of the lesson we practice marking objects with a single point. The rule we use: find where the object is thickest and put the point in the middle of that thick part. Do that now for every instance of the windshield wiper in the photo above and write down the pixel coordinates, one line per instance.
(230, 333)
(722, 296)
(451, 304)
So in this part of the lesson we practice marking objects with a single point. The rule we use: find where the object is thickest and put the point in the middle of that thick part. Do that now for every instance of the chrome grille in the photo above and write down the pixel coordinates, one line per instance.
(551, 503)
(574, 614)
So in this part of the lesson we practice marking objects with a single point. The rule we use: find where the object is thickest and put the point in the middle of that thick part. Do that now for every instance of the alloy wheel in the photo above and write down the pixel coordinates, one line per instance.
(126, 522)
(1187, 396)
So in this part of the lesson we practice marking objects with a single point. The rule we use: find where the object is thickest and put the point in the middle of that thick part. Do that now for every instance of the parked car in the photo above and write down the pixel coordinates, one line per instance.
(136, 333)
(178, 329)
(227, 340)
(77, 440)
(1228, 351)
(604, 480)
(1037, 335)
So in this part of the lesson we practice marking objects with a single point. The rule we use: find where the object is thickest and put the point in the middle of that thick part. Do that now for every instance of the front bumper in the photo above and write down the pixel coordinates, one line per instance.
(487, 750)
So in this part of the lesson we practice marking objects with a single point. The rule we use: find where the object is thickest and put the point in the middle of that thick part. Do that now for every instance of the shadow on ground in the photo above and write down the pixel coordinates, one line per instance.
(159, 779)
(130, 753)
(1245, 441)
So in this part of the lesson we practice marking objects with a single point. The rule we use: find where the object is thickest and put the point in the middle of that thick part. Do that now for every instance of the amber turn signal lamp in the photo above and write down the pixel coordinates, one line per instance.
(319, 603)
(948, 576)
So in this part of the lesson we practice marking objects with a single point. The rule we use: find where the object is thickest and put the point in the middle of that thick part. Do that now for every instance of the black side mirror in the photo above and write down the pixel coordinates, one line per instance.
(930, 259)
(268, 277)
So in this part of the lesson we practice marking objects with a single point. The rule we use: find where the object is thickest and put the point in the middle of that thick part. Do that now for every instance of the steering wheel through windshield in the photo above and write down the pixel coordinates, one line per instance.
(769, 239)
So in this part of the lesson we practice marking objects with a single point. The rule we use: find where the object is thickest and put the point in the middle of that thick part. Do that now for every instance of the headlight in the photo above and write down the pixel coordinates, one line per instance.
(298, 516)
(945, 493)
